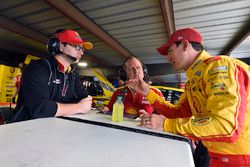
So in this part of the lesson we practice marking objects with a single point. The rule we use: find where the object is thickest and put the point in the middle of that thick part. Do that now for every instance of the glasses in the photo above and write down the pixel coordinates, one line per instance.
(77, 47)
(134, 69)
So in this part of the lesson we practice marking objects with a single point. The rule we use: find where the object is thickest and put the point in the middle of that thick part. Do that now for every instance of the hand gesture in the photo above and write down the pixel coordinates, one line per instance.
(153, 121)
(85, 104)
(138, 85)
(105, 109)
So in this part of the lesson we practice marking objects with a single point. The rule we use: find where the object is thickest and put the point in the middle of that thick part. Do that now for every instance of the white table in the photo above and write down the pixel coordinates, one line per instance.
(98, 118)
(55, 142)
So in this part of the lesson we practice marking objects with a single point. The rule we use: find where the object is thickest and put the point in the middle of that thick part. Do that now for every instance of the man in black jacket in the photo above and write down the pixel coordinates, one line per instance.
(52, 87)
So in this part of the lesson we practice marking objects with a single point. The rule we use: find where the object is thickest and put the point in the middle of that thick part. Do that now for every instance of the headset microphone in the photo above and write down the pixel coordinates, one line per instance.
(70, 57)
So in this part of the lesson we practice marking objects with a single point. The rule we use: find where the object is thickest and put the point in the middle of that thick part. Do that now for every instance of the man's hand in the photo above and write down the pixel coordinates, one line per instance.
(82, 106)
(142, 112)
(105, 109)
(139, 85)
(85, 104)
(153, 121)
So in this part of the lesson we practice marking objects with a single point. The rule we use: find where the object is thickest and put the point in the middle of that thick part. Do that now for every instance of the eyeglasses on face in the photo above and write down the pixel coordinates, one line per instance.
(134, 69)
(77, 47)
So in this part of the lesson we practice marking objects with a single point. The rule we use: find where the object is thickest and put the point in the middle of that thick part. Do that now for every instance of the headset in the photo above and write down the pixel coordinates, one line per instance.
(53, 45)
(122, 72)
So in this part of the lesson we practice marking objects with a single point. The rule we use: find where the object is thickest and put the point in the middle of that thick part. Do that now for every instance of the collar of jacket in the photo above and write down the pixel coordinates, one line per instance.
(61, 67)
(200, 58)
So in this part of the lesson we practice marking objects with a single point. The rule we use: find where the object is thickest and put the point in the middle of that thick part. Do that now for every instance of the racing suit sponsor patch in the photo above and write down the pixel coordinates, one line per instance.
(217, 73)
(198, 73)
(221, 93)
(220, 86)
(216, 69)
(212, 59)
(201, 120)
(132, 111)
(218, 77)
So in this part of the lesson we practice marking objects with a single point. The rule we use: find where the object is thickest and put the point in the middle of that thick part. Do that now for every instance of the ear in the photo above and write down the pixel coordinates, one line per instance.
(61, 46)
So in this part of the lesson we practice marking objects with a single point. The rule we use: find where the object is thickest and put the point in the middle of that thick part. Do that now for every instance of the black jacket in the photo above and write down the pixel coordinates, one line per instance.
(42, 85)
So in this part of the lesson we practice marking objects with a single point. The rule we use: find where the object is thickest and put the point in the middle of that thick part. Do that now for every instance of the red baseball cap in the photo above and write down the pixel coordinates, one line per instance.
(189, 34)
(72, 37)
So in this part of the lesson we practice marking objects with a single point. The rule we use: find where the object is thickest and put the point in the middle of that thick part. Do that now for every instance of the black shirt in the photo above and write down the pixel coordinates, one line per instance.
(42, 85)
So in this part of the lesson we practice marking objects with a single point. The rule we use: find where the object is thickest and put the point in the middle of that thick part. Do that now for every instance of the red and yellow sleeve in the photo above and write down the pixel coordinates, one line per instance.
(180, 110)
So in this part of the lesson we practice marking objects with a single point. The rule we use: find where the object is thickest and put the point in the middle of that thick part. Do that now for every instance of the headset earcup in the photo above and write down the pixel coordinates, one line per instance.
(145, 70)
(53, 46)
(122, 75)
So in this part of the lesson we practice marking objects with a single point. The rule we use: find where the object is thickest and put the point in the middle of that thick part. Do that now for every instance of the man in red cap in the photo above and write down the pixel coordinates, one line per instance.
(215, 105)
(52, 87)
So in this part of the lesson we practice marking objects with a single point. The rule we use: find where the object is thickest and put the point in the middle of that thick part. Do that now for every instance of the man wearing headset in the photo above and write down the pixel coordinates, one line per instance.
(134, 103)
(52, 87)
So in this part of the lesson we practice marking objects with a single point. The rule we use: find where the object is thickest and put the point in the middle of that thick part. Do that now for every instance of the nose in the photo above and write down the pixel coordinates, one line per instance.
(81, 52)
(135, 70)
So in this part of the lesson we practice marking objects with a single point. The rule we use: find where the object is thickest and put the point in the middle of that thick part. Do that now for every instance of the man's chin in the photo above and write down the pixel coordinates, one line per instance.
(175, 66)
(75, 62)
(136, 77)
